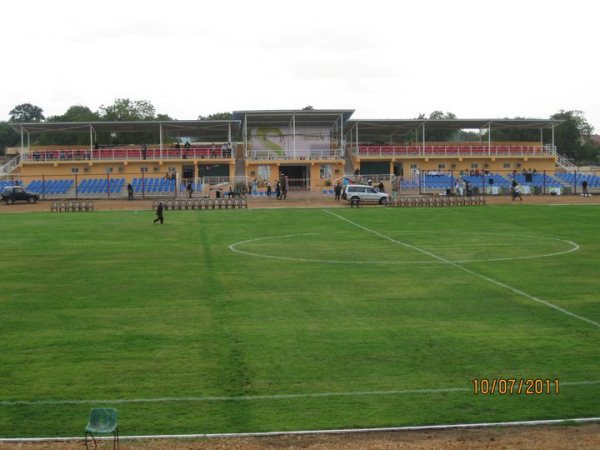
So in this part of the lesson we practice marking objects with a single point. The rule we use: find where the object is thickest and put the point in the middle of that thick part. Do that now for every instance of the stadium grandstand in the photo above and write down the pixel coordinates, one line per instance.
(315, 149)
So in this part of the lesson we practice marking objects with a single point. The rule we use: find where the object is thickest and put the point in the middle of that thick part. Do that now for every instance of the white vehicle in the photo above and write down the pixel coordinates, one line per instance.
(364, 193)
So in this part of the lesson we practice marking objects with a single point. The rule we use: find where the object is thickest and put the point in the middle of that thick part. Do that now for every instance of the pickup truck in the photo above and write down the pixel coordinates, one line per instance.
(12, 194)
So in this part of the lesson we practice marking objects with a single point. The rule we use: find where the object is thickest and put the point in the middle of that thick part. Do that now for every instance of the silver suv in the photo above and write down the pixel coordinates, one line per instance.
(365, 193)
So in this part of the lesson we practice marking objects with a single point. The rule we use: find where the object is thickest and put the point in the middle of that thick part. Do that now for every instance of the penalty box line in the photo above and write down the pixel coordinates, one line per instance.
(469, 271)
(261, 397)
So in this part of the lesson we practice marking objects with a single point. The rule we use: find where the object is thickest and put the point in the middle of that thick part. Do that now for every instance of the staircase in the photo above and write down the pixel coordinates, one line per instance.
(564, 162)
(11, 165)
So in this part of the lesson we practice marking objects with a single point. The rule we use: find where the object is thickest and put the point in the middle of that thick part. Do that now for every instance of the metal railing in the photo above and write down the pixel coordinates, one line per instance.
(299, 154)
(124, 153)
(11, 165)
(378, 151)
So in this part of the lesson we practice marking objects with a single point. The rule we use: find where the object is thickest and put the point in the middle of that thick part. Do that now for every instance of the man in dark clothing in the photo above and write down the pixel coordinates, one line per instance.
(129, 191)
(190, 189)
(338, 190)
(159, 213)
(584, 186)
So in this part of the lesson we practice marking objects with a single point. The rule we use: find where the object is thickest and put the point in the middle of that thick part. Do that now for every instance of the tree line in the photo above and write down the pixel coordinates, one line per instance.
(572, 137)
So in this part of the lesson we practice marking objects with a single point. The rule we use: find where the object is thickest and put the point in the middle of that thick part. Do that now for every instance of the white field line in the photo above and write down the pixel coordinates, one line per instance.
(579, 420)
(233, 248)
(471, 272)
(261, 397)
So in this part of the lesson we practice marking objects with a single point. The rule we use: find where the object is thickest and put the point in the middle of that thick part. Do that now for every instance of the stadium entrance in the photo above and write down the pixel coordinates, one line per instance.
(298, 176)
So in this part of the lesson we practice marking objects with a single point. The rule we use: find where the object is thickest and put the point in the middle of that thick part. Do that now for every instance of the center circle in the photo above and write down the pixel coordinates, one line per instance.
(411, 248)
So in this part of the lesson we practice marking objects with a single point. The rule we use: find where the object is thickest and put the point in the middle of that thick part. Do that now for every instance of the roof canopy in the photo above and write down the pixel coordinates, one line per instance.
(390, 127)
(301, 117)
(196, 128)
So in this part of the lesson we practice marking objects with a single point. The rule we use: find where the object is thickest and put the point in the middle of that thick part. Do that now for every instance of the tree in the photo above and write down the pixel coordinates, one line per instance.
(217, 116)
(573, 135)
(26, 112)
(8, 137)
(124, 109)
(437, 135)
(308, 108)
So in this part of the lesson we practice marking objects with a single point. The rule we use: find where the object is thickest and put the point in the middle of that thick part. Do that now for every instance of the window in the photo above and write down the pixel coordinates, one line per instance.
(172, 169)
(121, 169)
(264, 173)
(474, 166)
(413, 166)
(518, 165)
(86, 169)
(156, 168)
(74, 169)
(506, 166)
(326, 172)
(144, 169)
(453, 166)
(108, 170)
(441, 166)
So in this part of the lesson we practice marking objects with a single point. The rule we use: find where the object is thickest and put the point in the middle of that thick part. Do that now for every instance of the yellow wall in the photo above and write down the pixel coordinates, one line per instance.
(130, 169)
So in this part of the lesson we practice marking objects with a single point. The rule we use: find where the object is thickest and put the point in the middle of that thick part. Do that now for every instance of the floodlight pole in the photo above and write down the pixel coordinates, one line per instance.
(489, 138)
(91, 140)
(160, 137)
(245, 133)
(294, 134)
(342, 140)
(357, 150)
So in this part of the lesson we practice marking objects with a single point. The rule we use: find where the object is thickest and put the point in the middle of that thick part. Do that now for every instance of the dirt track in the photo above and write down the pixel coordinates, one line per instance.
(543, 437)
(298, 202)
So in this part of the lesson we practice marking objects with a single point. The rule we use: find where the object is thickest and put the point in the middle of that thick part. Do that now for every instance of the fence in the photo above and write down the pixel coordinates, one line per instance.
(496, 183)
(115, 186)
(104, 185)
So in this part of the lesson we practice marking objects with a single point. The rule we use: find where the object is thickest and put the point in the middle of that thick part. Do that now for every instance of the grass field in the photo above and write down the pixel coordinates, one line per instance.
(262, 320)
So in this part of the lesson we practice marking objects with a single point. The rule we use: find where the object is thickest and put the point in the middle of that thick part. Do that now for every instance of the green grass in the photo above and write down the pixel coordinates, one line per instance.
(105, 306)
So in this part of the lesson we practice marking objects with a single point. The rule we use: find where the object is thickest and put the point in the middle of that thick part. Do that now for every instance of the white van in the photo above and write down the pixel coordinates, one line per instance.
(365, 193)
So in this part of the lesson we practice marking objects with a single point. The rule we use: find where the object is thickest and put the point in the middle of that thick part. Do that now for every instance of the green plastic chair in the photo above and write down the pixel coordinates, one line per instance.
(102, 421)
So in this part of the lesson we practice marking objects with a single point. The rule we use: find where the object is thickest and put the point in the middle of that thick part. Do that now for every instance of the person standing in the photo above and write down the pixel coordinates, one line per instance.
(584, 187)
(285, 187)
(338, 190)
(190, 189)
(159, 213)
(278, 190)
(269, 190)
(129, 191)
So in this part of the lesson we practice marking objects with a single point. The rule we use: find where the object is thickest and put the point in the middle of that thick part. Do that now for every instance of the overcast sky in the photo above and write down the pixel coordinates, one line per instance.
(385, 59)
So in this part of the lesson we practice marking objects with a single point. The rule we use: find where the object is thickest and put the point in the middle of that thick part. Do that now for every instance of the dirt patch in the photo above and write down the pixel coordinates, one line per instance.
(539, 437)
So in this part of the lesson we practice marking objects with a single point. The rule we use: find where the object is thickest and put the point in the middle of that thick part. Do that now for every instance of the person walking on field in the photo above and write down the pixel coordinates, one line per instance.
(516, 190)
(159, 213)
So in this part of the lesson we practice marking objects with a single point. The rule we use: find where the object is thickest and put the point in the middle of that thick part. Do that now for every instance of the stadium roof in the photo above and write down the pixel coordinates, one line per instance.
(391, 126)
(189, 127)
(302, 117)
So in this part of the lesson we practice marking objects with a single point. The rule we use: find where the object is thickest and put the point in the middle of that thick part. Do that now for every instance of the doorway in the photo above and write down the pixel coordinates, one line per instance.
(298, 177)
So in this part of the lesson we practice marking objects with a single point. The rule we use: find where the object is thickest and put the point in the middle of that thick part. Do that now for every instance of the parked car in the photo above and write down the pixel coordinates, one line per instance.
(12, 194)
(364, 193)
